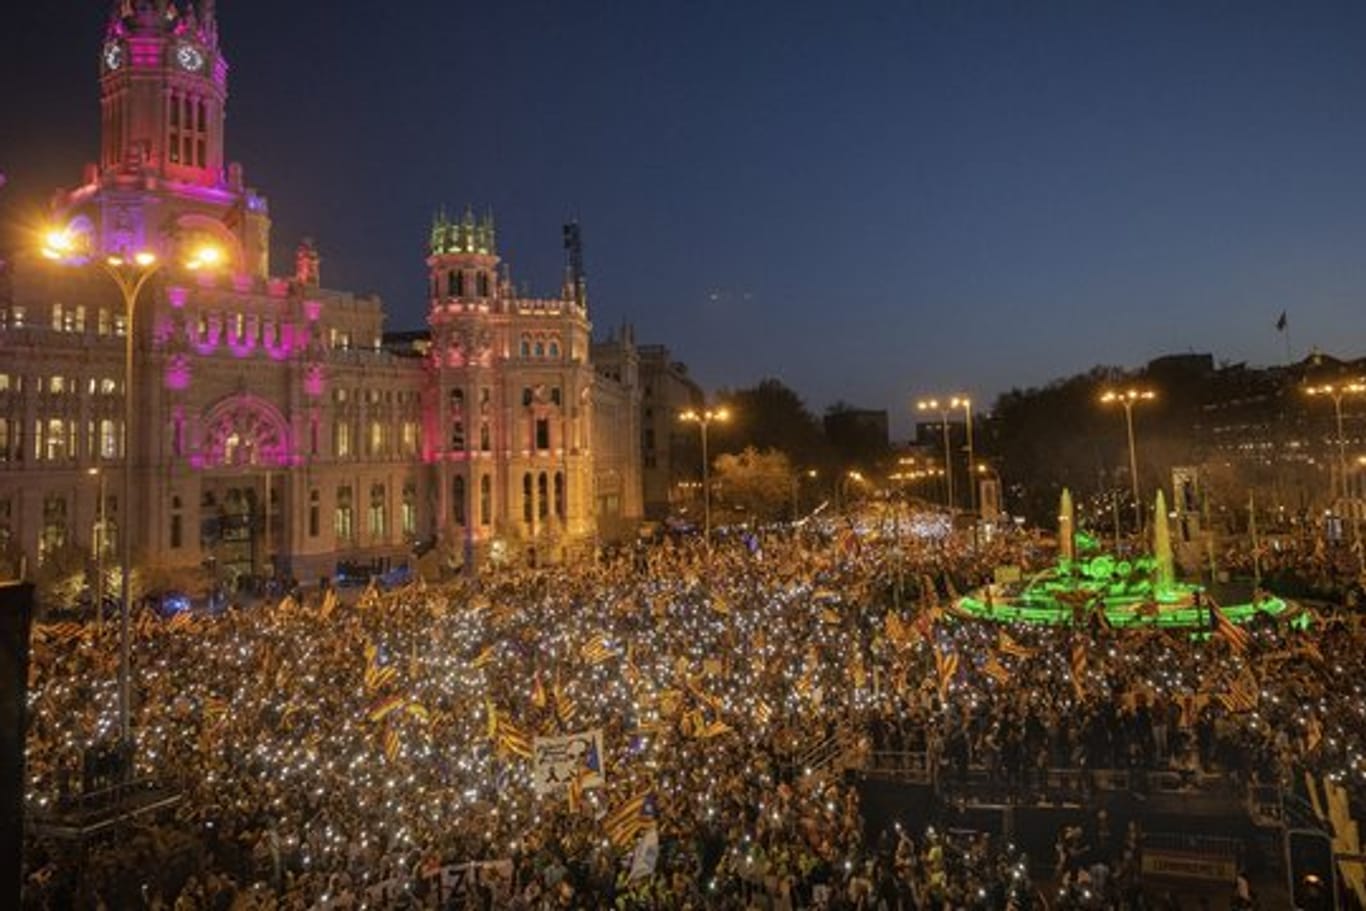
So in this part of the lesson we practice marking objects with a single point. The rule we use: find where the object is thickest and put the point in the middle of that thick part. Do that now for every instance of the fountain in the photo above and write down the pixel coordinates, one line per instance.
(1141, 591)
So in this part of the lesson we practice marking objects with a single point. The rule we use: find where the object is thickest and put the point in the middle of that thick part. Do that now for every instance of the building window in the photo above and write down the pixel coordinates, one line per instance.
(554, 350)
(540, 348)
(378, 526)
(376, 438)
(343, 522)
(458, 500)
(57, 316)
(409, 512)
(177, 524)
(103, 324)
(555, 395)
(6, 439)
(543, 495)
(341, 439)
(109, 438)
(542, 433)
(485, 500)
(53, 537)
(559, 494)
(526, 346)
(526, 396)
(528, 508)
(484, 441)
(314, 513)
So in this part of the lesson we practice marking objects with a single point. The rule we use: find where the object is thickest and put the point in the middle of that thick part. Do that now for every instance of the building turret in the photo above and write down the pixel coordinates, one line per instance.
(163, 88)
(463, 259)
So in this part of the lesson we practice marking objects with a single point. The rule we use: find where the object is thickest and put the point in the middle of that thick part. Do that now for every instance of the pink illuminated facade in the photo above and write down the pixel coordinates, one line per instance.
(276, 426)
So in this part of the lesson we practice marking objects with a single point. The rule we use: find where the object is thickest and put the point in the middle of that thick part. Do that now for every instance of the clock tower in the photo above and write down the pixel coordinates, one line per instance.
(161, 181)
(163, 85)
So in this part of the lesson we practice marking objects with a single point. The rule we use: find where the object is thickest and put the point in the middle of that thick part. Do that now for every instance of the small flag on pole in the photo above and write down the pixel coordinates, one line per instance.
(1282, 323)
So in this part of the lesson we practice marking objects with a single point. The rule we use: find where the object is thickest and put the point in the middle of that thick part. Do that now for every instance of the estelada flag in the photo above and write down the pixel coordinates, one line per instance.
(1230, 632)
(1079, 668)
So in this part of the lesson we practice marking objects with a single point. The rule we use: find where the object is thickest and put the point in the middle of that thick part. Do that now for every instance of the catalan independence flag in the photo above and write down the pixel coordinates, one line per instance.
(1224, 628)
(626, 821)
(1079, 668)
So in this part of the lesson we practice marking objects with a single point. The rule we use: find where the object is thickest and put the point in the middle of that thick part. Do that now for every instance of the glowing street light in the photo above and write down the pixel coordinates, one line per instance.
(130, 274)
(703, 419)
(1128, 398)
(1337, 392)
(943, 407)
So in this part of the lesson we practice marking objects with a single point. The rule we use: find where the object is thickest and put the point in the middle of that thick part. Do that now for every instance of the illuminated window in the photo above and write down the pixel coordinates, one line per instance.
(376, 438)
(458, 500)
(410, 438)
(103, 324)
(341, 439)
(120, 325)
(109, 439)
(409, 511)
(77, 319)
(6, 439)
(378, 511)
(53, 536)
(343, 519)
(57, 316)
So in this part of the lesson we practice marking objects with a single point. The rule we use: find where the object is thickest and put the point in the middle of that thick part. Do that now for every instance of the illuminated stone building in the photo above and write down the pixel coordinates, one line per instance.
(274, 426)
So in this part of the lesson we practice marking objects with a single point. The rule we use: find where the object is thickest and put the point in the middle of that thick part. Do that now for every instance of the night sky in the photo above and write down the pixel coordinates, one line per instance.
(865, 200)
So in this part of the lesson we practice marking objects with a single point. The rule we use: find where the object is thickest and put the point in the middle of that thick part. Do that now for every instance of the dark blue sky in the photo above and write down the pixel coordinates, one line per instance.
(867, 200)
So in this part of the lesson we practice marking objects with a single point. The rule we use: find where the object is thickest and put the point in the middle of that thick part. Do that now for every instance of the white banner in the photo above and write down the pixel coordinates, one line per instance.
(646, 855)
(458, 880)
(559, 760)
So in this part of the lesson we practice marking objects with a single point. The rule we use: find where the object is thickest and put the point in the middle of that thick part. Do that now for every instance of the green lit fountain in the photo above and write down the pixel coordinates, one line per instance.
(1140, 592)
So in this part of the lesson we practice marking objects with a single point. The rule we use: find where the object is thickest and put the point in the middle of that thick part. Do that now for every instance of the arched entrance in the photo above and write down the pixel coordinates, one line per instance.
(245, 443)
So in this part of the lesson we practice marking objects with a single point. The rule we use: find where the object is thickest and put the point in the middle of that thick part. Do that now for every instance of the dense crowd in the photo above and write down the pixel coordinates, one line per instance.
(378, 753)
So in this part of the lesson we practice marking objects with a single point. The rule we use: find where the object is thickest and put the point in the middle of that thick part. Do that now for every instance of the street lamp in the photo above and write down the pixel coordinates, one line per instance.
(797, 489)
(943, 407)
(1337, 393)
(99, 538)
(131, 274)
(703, 419)
(1128, 398)
(842, 487)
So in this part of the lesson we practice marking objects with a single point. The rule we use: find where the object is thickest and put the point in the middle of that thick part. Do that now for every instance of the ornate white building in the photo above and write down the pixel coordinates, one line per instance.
(275, 426)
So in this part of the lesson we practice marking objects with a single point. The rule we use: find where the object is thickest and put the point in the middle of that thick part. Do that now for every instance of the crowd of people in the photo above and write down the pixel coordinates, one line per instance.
(380, 751)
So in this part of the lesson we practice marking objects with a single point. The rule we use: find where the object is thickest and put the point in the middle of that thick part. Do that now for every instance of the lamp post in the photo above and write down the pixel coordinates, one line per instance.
(797, 490)
(1337, 393)
(99, 539)
(934, 405)
(703, 419)
(1128, 398)
(962, 401)
(131, 275)
(988, 470)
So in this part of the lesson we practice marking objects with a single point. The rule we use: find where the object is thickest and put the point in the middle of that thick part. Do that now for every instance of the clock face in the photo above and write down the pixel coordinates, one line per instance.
(189, 57)
(113, 55)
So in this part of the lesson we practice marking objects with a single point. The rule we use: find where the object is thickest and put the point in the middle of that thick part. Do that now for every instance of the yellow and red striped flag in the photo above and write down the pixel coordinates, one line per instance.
(945, 666)
(1224, 628)
(1079, 668)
